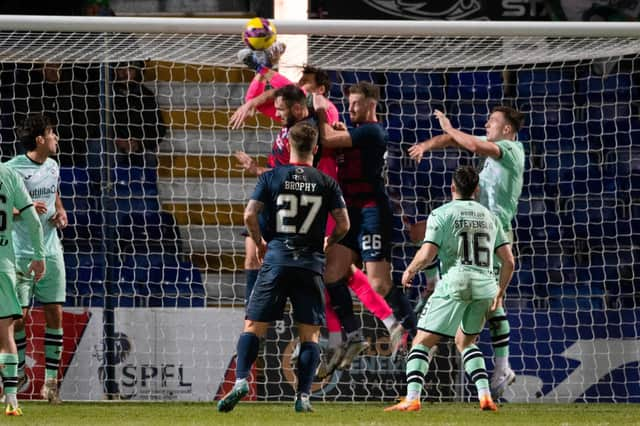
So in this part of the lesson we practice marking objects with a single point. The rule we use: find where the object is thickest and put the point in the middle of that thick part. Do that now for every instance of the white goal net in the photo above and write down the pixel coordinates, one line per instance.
(154, 253)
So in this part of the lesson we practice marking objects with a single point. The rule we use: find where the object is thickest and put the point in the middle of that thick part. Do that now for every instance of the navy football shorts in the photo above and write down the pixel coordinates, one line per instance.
(276, 284)
(369, 234)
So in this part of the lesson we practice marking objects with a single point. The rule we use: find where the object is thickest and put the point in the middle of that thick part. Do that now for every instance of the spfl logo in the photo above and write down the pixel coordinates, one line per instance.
(143, 380)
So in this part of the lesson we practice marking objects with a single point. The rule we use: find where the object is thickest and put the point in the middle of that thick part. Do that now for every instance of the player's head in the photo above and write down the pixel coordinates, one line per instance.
(291, 104)
(303, 139)
(315, 80)
(363, 98)
(128, 71)
(52, 72)
(504, 123)
(38, 134)
(465, 182)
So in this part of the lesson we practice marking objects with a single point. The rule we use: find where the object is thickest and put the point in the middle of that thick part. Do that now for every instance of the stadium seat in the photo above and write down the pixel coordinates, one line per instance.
(476, 85)
(542, 84)
(125, 175)
(75, 182)
(160, 280)
(611, 88)
(414, 86)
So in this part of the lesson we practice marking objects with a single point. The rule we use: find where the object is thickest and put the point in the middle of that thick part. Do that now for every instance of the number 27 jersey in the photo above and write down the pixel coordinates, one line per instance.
(297, 200)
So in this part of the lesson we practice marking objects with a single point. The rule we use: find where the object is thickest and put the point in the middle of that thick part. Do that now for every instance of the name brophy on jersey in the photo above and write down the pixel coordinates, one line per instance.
(297, 200)
(41, 181)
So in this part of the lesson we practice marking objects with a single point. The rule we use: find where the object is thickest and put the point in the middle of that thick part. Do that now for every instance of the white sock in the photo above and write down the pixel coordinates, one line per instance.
(502, 363)
(240, 381)
(483, 393)
(413, 395)
(12, 399)
(390, 321)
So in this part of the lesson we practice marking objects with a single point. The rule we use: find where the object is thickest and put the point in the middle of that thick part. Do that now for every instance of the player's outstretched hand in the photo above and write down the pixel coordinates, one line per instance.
(59, 219)
(445, 124)
(246, 162)
(261, 250)
(416, 151)
(37, 268)
(241, 114)
(40, 206)
(407, 278)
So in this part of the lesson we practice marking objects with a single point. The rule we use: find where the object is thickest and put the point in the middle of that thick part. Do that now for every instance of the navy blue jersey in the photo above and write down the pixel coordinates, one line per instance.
(297, 200)
(360, 167)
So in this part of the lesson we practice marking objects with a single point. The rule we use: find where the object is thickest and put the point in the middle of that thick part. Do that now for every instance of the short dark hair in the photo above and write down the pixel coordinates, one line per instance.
(303, 136)
(291, 94)
(466, 179)
(33, 126)
(321, 76)
(366, 89)
(512, 115)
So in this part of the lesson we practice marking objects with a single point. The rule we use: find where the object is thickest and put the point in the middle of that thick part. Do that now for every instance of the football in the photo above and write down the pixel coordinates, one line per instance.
(259, 33)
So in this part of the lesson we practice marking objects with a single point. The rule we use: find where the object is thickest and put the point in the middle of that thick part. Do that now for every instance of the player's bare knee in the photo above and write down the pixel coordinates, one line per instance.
(309, 333)
(255, 327)
(464, 340)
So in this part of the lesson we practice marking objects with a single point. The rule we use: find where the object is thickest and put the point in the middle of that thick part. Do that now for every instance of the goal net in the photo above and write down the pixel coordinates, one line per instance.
(154, 252)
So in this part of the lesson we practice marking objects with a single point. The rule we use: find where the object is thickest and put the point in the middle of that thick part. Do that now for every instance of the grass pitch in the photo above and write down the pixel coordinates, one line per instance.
(326, 414)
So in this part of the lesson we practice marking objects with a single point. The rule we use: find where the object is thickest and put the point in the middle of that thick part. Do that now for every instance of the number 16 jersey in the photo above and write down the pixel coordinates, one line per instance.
(467, 235)
(297, 200)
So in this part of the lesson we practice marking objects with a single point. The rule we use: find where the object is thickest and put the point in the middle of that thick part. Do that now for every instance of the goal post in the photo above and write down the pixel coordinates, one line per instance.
(154, 253)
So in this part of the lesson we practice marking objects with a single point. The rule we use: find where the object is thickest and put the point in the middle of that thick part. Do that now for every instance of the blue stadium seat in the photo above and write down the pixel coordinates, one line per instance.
(611, 88)
(125, 175)
(475, 85)
(411, 116)
(414, 86)
(85, 274)
(161, 280)
(75, 182)
(590, 217)
(609, 119)
(542, 84)
(83, 225)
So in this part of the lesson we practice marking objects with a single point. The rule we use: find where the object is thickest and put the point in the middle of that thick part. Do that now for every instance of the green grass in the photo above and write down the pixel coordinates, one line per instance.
(328, 414)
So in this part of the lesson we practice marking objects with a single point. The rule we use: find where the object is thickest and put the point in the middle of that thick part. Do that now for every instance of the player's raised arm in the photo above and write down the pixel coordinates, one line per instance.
(465, 140)
(248, 109)
(431, 144)
(330, 137)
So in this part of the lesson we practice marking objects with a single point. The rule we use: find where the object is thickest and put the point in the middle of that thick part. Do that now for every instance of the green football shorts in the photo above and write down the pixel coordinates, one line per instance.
(9, 305)
(50, 289)
(461, 300)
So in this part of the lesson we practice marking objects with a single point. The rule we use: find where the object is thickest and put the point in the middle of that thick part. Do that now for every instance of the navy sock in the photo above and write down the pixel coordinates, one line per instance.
(307, 364)
(247, 349)
(342, 303)
(251, 276)
(402, 309)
